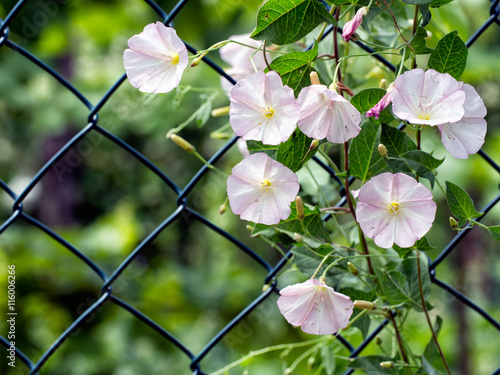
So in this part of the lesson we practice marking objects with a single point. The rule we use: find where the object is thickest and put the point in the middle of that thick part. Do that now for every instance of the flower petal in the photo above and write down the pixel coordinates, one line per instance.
(428, 98)
(262, 109)
(466, 136)
(324, 113)
(156, 59)
(316, 307)
(261, 189)
(395, 208)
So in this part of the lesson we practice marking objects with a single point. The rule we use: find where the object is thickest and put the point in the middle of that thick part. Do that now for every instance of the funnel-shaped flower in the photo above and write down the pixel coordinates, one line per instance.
(261, 189)
(315, 307)
(427, 98)
(351, 26)
(262, 109)
(324, 113)
(156, 59)
(243, 57)
(466, 136)
(395, 208)
(243, 60)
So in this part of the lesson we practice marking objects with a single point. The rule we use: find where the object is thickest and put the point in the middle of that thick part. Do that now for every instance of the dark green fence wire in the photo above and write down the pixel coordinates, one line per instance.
(35, 365)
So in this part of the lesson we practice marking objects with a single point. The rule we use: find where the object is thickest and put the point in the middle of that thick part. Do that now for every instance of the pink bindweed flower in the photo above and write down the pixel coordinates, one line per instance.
(324, 113)
(395, 208)
(315, 307)
(262, 109)
(427, 98)
(381, 105)
(351, 26)
(243, 60)
(261, 189)
(243, 57)
(156, 59)
(466, 136)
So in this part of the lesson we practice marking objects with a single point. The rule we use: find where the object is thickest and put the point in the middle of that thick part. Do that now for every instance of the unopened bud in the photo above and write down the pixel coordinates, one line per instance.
(300, 208)
(382, 150)
(298, 238)
(383, 84)
(314, 144)
(453, 223)
(353, 269)
(196, 61)
(220, 135)
(182, 143)
(265, 287)
(288, 371)
(387, 364)
(314, 78)
(249, 228)
(218, 112)
(222, 208)
(310, 363)
(365, 305)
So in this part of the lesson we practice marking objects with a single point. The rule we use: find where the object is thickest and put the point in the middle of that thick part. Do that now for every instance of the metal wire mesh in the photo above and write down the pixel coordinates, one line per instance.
(108, 280)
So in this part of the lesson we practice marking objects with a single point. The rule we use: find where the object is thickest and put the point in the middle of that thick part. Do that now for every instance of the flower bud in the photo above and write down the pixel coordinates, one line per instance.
(382, 150)
(249, 228)
(387, 364)
(310, 363)
(288, 371)
(222, 208)
(314, 144)
(453, 223)
(196, 61)
(265, 287)
(298, 238)
(300, 208)
(218, 112)
(314, 78)
(365, 305)
(182, 143)
(220, 135)
(383, 84)
(353, 269)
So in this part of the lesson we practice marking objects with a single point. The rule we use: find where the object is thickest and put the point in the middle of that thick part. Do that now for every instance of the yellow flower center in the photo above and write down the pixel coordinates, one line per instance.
(266, 184)
(424, 116)
(394, 207)
(268, 112)
(174, 59)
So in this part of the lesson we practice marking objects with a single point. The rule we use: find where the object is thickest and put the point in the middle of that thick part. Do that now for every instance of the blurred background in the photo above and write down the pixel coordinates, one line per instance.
(189, 280)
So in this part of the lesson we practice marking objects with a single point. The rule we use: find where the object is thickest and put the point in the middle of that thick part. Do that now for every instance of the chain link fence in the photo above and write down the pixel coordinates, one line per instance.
(183, 210)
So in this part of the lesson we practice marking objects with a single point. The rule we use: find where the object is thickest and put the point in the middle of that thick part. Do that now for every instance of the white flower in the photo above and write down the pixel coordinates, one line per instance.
(156, 59)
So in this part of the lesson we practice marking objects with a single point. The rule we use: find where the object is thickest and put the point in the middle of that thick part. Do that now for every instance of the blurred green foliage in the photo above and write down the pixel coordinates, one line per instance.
(189, 280)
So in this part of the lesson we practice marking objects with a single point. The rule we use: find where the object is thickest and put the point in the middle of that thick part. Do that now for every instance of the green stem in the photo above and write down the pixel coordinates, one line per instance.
(413, 31)
(323, 195)
(329, 160)
(210, 166)
(424, 307)
(321, 265)
(271, 349)
(398, 338)
(323, 28)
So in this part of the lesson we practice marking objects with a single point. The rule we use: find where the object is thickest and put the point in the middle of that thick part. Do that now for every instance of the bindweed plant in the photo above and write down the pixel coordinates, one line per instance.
(290, 103)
